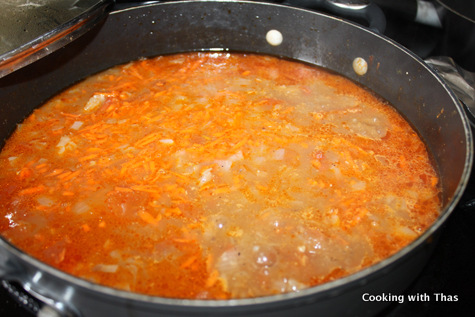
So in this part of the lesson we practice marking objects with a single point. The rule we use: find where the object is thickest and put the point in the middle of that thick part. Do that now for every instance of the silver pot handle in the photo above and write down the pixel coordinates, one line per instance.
(38, 294)
(462, 82)
(37, 303)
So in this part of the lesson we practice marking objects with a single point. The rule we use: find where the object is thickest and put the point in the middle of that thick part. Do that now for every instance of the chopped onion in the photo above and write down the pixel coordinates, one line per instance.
(382, 159)
(206, 176)
(64, 144)
(45, 201)
(228, 262)
(279, 154)
(12, 160)
(76, 125)
(289, 285)
(166, 141)
(63, 141)
(236, 157)
(106, 268)
(259, 160)
(81, 207)
(407, 231)
(225, 165)
(178, 60)
(336, 170)
(115, 254)
(94, 102)
(359, 185)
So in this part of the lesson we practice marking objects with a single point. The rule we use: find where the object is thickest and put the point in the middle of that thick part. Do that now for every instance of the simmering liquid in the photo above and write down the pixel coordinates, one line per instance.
(215, 176)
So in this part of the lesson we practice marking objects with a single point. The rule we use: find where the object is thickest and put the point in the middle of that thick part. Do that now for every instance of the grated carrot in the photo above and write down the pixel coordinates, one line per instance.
(189, 261)
(147, 217)
(55, 172)
(123, 189)
(212, 278)
(71, 175)
(32, 190)
(87, 158)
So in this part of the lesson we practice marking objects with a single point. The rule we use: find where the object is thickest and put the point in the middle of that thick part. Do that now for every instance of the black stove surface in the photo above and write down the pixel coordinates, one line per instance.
(446, 286)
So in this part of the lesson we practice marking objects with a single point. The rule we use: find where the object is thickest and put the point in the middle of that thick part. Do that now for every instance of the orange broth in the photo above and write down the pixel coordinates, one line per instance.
(215, 176)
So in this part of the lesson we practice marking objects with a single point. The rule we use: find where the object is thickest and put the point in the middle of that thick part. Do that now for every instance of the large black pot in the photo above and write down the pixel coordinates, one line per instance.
(393, 72)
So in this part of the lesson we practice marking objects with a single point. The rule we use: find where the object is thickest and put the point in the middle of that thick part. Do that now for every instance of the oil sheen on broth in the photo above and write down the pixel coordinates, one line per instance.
(215, 176)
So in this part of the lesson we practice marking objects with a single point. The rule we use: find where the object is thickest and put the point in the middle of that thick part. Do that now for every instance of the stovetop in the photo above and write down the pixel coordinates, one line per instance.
(446, 287)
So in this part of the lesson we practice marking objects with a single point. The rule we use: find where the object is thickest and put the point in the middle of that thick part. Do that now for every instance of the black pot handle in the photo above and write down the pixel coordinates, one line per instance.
(468, 205)
(351, 9)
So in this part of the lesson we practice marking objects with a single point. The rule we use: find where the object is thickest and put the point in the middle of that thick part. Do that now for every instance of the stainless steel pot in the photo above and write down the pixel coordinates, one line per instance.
(165, 28)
